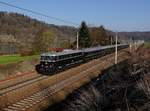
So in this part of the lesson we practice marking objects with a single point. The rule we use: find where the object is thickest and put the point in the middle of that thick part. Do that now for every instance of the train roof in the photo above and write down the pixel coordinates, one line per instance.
(100, 48)
(77, 51)
(97, 48)
(60, 53)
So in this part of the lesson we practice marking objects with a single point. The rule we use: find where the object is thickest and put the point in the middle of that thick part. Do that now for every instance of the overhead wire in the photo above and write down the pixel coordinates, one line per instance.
(39, 13)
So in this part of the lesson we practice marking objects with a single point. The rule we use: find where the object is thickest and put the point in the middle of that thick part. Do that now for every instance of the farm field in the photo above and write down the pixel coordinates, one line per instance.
(147, 45)
(6, 59)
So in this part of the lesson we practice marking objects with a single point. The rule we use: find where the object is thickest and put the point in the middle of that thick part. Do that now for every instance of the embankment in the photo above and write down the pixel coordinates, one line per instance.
(123, 87)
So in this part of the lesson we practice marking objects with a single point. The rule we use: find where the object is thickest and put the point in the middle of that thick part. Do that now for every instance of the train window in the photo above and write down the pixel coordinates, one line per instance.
(57, 57)
(51, 58)
(42, 58)
(65, 56)
(47, 58)
(68, 55)
(61, 56)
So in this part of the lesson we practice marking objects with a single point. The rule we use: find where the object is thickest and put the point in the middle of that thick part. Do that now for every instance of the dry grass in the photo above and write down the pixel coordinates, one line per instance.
(13, 69)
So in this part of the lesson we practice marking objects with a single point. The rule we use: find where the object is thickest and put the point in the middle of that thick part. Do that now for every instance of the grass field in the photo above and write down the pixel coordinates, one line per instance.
(147, 44)
(6, 59)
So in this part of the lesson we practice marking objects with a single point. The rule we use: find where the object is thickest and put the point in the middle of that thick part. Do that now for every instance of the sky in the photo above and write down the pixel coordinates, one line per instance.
(116, 15)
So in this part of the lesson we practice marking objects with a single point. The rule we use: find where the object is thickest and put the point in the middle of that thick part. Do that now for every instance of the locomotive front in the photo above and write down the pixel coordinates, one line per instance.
(47, 63)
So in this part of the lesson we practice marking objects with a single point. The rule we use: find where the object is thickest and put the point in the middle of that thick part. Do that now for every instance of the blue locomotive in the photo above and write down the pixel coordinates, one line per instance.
(52, 62)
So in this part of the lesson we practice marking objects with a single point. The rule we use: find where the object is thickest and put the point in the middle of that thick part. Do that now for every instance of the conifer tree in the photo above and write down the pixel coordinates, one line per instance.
(84, 36)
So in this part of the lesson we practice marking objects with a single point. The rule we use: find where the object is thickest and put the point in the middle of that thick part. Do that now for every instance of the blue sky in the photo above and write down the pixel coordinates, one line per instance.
(116, 15)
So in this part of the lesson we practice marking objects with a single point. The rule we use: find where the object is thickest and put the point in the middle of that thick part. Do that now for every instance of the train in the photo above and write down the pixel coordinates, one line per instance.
(52, 62)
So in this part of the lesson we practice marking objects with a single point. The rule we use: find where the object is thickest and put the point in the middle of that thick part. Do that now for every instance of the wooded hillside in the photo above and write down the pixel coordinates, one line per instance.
(24, 29)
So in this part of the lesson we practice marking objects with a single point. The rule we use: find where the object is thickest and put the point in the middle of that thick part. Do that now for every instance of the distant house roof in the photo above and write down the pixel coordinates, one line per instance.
(56, 49)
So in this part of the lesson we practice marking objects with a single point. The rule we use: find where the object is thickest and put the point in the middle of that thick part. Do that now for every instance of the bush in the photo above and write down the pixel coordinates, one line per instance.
(26, 53)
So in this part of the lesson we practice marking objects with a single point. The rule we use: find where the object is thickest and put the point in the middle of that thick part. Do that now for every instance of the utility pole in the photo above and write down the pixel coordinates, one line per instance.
(116, 48)
(130, 45)
(77, 41)
(111, 40)
(135, 45)
(133, 42)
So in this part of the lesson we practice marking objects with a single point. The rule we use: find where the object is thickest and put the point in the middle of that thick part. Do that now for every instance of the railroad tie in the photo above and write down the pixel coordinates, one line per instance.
(12, 107)
(29, 99)
(7, 109)
(16, 105)
(19, 103)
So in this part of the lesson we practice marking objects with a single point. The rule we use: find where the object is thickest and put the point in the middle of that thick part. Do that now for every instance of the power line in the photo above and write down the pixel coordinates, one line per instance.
(38, 13)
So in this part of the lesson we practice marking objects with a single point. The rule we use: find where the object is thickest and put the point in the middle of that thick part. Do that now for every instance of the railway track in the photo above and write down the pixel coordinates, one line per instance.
(21, 84)
(39, 96)
(16, 79)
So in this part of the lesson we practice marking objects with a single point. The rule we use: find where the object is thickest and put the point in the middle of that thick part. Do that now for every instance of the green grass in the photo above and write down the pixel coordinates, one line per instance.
(6, 59)
(147, 45)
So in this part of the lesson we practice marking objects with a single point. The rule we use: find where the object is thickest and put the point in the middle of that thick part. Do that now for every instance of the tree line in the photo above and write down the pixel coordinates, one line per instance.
(36, 36)
(88, 37)
(93, 36)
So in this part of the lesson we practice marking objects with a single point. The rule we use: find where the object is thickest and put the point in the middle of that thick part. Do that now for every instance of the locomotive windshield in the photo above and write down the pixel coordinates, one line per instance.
(47, 58)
